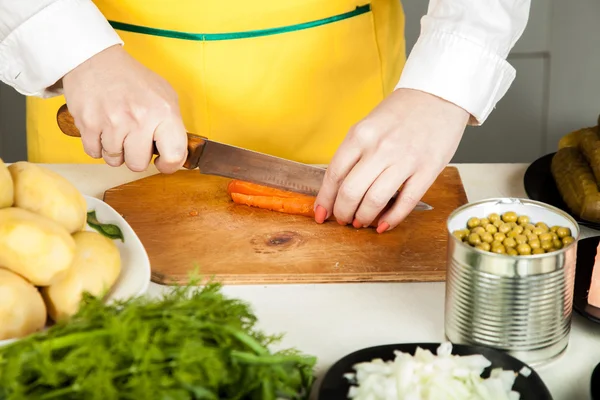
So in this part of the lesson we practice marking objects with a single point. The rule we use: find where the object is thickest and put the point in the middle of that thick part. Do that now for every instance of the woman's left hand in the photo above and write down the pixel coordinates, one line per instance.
(406, 141)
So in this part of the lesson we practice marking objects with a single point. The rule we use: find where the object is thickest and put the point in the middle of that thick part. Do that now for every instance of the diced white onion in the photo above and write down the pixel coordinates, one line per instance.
(426, 376)
(525, 372)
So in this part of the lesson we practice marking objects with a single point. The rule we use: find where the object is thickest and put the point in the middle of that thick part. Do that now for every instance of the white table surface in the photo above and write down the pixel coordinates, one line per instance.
(332, 320)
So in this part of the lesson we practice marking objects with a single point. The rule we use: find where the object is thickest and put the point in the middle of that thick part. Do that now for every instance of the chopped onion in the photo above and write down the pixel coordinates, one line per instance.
(525, 372)
(426, 376)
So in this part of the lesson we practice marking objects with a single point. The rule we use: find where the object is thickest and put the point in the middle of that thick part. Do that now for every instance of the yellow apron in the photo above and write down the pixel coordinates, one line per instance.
(288, 78)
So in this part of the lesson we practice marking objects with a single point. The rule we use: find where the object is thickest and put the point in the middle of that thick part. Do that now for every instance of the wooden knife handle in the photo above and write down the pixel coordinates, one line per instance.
(66, 123)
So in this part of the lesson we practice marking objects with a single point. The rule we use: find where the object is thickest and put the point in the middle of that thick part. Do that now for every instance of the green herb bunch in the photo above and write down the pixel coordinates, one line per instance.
(189, 344)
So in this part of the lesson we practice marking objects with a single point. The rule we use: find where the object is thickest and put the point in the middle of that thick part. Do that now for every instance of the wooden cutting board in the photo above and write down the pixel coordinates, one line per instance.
(187, 220)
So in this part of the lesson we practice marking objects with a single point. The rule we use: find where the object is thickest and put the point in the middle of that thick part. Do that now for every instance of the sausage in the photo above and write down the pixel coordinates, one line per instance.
(594, 292)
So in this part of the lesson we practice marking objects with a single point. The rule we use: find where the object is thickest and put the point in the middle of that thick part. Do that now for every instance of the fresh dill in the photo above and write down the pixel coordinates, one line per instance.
(192, 343)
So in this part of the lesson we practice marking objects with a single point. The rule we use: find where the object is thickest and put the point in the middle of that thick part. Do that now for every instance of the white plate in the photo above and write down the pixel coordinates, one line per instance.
(135, 265)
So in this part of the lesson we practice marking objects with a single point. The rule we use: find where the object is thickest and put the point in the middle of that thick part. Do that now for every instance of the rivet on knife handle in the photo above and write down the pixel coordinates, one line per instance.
(66, 123)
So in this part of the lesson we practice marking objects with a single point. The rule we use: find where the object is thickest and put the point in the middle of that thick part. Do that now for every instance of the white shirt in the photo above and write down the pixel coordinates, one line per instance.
(460, 55)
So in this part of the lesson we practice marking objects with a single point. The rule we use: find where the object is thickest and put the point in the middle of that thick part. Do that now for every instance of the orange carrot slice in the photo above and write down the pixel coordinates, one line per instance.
(288, 205)
(242, 187)
(253, 195)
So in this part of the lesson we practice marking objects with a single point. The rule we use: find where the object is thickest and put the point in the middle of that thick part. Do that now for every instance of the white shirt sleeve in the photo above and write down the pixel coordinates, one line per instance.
(461, 52)
(42, 40)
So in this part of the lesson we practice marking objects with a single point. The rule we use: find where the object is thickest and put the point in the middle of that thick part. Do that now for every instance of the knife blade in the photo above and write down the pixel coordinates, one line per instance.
(214, 158)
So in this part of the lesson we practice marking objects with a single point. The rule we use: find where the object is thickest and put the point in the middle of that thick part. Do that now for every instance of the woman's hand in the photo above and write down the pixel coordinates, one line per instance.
(121, 108)
(407, 140)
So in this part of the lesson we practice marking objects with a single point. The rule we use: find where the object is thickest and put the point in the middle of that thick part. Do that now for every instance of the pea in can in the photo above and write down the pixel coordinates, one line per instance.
(519, 304)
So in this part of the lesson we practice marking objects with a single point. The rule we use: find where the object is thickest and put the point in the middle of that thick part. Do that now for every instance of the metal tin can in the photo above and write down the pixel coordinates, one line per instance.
(519, 304)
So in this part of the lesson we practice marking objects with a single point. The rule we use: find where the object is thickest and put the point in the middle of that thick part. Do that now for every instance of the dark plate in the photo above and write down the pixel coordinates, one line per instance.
(595, 383)
(539, 185)
(586, 254)
(335, 386)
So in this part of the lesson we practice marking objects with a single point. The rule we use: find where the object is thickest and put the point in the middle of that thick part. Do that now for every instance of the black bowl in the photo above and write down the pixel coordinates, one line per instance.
(539, 185)
(335, 387)
(595, 383)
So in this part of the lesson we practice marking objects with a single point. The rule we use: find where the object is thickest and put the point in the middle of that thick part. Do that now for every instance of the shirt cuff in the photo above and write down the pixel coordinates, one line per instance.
(459, 71)
(51, 43)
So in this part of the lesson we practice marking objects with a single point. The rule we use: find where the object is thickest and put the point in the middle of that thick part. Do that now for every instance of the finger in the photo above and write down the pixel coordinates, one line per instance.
(171, 142)
(410, 195)
(340, 166)
(354, 187)
(137, 148)
(379, 195)
(89, 131)
(90, 136)
(91, 143)
(112, 146)
(113, 159)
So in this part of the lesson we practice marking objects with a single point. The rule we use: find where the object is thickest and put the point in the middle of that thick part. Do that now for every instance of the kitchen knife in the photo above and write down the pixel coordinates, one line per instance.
(213, 158)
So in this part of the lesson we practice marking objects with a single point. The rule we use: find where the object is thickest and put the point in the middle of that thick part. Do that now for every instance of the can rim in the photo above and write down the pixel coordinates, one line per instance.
(522, 201)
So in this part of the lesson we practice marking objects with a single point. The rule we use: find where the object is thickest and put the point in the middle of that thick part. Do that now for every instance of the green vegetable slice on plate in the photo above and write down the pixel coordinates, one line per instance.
(111, 231)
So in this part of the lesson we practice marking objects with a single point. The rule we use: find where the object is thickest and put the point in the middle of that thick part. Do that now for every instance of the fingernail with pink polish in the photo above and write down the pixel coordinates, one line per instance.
(320, 214)
(356, 224)
(384, 226)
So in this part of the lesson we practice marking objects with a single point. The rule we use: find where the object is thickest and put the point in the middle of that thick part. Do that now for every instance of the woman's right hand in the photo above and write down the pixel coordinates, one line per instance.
(121, 108)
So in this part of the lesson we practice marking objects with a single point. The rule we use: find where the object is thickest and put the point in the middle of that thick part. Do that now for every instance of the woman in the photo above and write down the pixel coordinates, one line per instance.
(309, 80)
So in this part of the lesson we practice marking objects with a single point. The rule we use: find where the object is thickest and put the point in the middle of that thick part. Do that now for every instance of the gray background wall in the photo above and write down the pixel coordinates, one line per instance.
(12, 125)
(557, 88)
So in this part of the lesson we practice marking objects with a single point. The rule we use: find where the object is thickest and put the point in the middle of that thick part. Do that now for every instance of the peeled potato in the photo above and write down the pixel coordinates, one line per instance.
(95, 269)
(22, 309)
(46, 193)
(6, 186)
(34, 246)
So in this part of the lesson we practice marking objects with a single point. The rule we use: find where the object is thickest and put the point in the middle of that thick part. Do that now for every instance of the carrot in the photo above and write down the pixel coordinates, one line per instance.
(288, 205)
(253, 195)
(237, 186)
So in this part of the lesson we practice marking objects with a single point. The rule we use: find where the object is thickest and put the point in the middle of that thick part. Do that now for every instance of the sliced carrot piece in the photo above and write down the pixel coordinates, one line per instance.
(288, 205)
(253, 195)
(237, 186)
